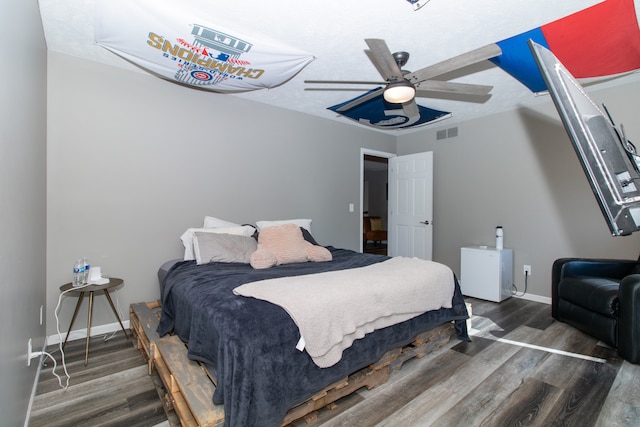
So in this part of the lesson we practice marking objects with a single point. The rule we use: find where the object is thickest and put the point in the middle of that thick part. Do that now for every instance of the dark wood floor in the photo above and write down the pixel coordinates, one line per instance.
(509, 375)
(492, 383)
(114, 389)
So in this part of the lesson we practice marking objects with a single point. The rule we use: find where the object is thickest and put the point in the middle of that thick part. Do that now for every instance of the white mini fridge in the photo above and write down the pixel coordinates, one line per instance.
(486, 272)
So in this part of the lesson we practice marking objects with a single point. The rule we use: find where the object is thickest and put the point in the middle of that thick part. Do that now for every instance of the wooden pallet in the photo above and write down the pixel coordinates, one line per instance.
(373, 375)
(190, 386)
(144, 318)
(187, 384)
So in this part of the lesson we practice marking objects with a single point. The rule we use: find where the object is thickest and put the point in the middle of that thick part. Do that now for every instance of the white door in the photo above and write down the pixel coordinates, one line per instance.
(411, 205)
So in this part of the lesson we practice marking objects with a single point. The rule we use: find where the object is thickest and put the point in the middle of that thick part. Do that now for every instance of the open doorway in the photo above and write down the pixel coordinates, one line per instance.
(375, 201)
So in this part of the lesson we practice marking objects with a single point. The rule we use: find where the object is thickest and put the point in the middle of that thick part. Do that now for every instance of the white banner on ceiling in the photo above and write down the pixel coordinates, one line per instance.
(169, 40)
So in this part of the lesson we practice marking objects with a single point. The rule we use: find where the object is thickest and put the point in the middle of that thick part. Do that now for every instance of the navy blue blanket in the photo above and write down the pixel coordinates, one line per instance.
(251, 343)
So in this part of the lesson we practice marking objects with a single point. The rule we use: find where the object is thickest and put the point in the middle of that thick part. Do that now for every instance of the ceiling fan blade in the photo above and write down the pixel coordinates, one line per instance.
(451, 96)
(455, 63)
(382, 59)
(361, 100)
(411, 109)
(382, 67)
(334, 89)
(350, 82)
(453, 87)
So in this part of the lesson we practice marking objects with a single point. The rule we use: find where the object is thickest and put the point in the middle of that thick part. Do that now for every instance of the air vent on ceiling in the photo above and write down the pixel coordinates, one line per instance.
(447, 133)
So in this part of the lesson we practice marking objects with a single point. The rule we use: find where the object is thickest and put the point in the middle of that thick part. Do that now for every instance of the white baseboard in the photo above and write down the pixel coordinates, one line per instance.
(79, 334)
(536, 298)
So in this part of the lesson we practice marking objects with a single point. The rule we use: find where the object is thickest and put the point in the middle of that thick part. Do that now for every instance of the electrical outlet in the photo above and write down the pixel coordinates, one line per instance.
(526, 270)
(29, 348)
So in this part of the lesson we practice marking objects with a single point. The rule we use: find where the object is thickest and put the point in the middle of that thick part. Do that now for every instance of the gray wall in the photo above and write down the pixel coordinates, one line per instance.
(133, 161)
(518, 169)
(22, 199)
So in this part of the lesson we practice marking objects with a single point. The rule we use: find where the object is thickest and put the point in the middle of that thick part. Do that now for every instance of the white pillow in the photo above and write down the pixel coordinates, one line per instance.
(187, 236)
(304, 223)
(212, 222)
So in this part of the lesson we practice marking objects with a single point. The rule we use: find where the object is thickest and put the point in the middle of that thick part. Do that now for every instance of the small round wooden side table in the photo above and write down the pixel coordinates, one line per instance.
(113, 282)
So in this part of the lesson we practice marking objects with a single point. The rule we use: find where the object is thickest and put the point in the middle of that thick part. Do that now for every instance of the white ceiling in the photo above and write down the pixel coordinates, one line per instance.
(334, 32)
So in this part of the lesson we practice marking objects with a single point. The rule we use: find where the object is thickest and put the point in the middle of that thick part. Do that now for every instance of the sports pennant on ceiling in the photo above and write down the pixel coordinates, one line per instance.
(417, 4)
(602, 40)
(174, 43)
(380, 114)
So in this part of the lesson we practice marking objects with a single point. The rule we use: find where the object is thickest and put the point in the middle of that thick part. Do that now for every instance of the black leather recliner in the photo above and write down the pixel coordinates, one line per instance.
(601, 297)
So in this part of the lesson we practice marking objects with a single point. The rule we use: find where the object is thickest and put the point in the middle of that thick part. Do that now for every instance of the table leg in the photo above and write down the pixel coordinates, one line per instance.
(86, 350)
(106, 293)
(73, 318)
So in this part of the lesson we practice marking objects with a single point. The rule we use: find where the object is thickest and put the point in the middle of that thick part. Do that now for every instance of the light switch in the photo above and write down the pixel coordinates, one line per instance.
(351, 207)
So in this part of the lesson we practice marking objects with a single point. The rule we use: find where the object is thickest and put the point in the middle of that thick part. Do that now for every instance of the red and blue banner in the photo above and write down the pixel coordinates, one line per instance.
(602, 40)
(378, 113)
(168, 41)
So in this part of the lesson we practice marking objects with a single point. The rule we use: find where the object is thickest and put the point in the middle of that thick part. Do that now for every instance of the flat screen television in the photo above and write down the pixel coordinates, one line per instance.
(608, 158)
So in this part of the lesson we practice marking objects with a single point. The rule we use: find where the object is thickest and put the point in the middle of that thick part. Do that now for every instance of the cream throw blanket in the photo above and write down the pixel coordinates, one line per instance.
(333, 309)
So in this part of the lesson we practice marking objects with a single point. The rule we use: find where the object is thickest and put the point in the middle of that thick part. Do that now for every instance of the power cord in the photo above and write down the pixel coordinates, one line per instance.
(60, 341)
(107, 337)
(55, 313)
(526, 285)
(35, 354)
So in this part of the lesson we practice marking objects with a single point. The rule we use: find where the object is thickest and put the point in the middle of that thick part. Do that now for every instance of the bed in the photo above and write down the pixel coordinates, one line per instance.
(249, 344)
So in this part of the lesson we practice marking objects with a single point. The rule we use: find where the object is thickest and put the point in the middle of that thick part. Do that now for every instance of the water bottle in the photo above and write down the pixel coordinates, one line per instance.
(499, 237)
(85, 273)
(78, 273)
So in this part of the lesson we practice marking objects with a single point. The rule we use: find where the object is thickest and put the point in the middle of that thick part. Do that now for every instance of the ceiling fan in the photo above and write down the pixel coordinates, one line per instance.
(401, 87)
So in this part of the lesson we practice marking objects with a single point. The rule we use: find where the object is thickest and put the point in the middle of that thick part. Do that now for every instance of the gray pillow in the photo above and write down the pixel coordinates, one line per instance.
(212, 247)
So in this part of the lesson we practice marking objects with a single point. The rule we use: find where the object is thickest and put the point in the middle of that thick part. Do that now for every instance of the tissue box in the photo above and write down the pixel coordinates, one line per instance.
(95, 276)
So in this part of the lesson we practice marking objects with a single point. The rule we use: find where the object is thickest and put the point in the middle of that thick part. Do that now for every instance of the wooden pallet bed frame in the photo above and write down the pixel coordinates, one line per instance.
(190, 386)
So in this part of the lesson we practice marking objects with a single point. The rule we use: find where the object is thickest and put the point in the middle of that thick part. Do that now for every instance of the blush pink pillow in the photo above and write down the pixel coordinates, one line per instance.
(284, 244)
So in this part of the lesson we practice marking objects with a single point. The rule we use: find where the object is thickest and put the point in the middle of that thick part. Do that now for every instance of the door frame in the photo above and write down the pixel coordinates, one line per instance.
(363, 152)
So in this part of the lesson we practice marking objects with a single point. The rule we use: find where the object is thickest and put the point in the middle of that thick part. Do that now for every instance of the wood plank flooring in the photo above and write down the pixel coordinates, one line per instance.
(504, 377)
(114, 389)
(490, 382)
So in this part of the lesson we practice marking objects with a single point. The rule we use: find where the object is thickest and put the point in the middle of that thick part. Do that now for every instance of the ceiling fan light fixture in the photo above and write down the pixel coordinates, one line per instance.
(399, 92)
